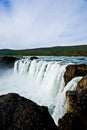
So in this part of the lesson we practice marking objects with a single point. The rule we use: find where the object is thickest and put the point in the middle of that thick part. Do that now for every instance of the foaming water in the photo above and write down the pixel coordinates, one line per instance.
(41, 81)
(61, 107)
(44, 79)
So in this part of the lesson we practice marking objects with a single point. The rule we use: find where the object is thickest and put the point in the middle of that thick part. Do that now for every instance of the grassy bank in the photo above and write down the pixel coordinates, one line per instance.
(51, 51)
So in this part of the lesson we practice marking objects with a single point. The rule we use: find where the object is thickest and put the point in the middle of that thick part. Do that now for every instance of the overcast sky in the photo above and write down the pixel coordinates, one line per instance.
(42, 23)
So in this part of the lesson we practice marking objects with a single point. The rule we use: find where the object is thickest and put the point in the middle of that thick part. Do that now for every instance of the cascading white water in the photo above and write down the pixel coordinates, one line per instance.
(40, 81)
(61, 106)
(47, 75)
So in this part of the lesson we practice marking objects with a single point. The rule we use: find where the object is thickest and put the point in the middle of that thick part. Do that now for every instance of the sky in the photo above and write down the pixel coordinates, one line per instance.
(28, 24)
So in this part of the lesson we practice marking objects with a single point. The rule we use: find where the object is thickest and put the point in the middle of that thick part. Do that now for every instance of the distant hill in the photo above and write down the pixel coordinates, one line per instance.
(80, 50)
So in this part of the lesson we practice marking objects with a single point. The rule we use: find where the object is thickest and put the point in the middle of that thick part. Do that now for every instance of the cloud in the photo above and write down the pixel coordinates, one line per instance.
(37, 23)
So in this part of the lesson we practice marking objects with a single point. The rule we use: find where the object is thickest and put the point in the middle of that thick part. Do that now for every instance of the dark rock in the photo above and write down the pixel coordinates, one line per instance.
(80, 107)
(33, 57)
(71, 100)
(8, 61)
(82, 70)
(77, 111)
(82, 84)
(73, 71)
(71, 122)
(19, 113)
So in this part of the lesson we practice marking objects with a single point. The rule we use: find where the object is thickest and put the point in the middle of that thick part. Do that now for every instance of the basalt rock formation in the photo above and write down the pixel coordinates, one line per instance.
(19, 113)
(82, 84)
(73, 71)
(8, 61)
(70, 121)
(33, 57)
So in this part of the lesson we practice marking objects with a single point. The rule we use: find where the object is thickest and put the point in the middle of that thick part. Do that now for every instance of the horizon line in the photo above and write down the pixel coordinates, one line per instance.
(43, 47)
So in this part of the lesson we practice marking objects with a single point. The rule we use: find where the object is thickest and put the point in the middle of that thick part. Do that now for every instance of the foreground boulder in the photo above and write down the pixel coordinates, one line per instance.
(8, 61)
(19, 113)
(73, 71)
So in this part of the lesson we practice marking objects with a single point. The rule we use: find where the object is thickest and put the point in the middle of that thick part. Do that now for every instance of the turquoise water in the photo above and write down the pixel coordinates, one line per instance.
(65, 59)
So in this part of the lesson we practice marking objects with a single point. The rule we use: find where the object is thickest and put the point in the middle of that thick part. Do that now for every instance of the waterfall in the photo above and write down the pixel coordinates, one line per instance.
(61, 107)
(41, 81)
(47, 75)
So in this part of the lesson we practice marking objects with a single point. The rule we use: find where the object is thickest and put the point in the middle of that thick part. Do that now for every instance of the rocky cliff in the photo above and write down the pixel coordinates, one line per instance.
(76, 116)
(73, 71)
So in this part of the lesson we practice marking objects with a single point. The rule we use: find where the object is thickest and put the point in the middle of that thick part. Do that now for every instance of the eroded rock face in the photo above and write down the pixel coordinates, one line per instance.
(77, 102)
(71, 100)
(18, 113)
(80, 106)
(82, 70)
(82, 84)
(70, 121)
(73, 71)
(76, 116)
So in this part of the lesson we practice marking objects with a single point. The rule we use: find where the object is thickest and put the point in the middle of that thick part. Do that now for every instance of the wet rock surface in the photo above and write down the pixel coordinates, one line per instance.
(82, 84)
(19, 113)
(8, 61)
(33, 57)
(73, 71)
